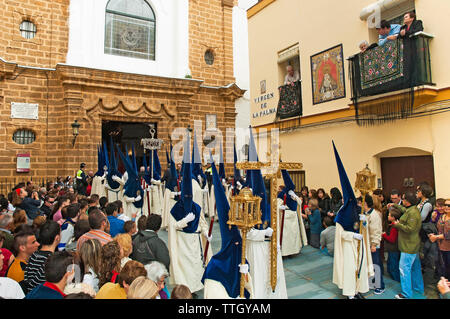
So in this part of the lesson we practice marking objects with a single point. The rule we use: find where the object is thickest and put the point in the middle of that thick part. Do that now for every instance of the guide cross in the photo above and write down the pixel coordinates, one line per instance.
(275, 174)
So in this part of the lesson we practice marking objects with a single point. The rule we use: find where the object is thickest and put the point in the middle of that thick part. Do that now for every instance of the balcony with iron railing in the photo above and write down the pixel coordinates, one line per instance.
(385, 79)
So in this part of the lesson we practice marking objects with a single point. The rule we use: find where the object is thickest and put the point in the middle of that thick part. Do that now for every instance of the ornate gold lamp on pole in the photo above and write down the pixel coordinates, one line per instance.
(365, 183)
(275, 167)
(244, 214)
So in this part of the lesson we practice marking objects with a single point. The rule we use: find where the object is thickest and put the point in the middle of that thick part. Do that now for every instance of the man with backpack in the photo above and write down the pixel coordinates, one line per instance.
(147, 246)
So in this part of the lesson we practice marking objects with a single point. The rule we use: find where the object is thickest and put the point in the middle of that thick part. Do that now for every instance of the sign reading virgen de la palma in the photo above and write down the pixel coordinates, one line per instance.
(263, 102)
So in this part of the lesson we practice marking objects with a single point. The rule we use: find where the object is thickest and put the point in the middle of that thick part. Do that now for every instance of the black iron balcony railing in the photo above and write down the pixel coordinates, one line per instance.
(396, 65)
(290, 102)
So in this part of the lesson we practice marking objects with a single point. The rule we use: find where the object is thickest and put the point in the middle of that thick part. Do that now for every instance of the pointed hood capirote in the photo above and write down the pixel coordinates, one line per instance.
(112, 168)
(132, 187)
(224, 266)
(186, 204)
(100, 161)
(221, 164)
(172, 182)
(197, 164)
(288, 186)
(257, 184)
(348, 214)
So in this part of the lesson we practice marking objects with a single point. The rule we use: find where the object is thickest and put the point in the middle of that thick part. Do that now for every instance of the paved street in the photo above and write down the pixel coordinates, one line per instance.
(309, 275)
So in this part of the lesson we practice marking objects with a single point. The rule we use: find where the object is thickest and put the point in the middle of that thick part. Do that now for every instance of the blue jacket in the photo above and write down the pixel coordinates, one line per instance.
(31, 207)
(43, 292)
(315, 222)
(115, 226)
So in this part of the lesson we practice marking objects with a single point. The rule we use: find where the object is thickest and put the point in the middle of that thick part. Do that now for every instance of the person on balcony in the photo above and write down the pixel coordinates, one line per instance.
(291, 76)
(411, 25)
(364, 46)
(387, 32)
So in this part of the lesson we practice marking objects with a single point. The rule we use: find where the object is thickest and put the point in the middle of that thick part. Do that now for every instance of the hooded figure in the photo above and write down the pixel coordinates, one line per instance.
(294, 232)
(153, 186)
(212, 197)
(187, 225)
(114, 178)
(223, 274)
(132, 195)
(351, 267)
(172, 191)
(199, 184)
(258, 242)
(98, 186)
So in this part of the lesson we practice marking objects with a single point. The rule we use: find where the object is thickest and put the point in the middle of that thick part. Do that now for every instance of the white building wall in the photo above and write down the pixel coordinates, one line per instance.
(87, 30)
(241, 70)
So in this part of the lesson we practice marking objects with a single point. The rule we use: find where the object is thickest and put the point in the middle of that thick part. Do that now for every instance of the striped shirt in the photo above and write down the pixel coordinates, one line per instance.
(103, 237)
(35, 270)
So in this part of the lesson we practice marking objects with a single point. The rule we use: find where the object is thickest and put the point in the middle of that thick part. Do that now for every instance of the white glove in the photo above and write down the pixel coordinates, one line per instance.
(209, 238)
(138, 198)
(268, 232)
(154, 181)
(357, 236)
(116, 178)
(239, 185)
(200, 178)
(224, 182)
(294, 196)
(205, 190)
(243, 269)
(173, 194)
(283, 207)
(189, 217)
(130, 199)
(362, 217)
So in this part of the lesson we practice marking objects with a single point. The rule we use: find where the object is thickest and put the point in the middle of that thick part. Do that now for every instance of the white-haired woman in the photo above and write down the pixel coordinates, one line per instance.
(363, 45)
(157, 272)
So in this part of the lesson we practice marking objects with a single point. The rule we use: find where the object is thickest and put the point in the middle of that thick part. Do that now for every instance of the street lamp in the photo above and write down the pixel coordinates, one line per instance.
(75, 130)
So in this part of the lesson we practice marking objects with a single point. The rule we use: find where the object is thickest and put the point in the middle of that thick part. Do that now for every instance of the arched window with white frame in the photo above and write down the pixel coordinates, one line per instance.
(130, 29)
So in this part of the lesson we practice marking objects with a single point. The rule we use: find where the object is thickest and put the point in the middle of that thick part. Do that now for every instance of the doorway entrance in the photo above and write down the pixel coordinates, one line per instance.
(127, 134)
(406, 173)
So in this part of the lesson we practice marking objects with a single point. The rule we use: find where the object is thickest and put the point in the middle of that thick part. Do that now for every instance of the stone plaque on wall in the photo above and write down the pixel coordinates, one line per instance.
(24, 111)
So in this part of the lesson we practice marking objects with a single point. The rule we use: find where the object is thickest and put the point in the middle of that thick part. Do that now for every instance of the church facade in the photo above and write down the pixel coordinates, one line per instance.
(107, 65)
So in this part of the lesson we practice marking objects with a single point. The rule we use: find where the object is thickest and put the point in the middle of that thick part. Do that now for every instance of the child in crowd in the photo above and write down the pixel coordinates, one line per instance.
(390, 244)
(313, 215)
(327, 236)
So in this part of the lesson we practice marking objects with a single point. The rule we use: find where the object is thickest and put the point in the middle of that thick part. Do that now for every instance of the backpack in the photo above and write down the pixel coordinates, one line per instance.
(142, 251)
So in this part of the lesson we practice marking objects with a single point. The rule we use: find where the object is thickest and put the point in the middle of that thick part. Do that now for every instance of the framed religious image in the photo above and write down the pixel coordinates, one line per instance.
(262, 85)
(211, 121)
(327, 75)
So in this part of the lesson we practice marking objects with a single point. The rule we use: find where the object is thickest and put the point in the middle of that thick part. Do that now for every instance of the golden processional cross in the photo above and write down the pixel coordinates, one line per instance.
(275, 173)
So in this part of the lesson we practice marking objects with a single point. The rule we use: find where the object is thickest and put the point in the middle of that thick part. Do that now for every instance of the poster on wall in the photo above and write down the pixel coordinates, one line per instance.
(23, 163)
(327, 75)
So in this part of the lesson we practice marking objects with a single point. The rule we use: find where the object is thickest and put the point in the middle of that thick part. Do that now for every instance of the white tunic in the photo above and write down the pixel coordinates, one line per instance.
(294, 233)
(186, 253)
(215, 290)
(258, 257)
(129, 210)
(168, 203)
(98, 186)
(116, 193)
(346, 262)
(153, 197)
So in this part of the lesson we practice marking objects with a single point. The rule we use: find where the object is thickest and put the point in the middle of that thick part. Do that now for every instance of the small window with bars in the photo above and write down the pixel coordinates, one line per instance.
(298, 178)
(209, 57)
(24, 136)
(28, 29)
